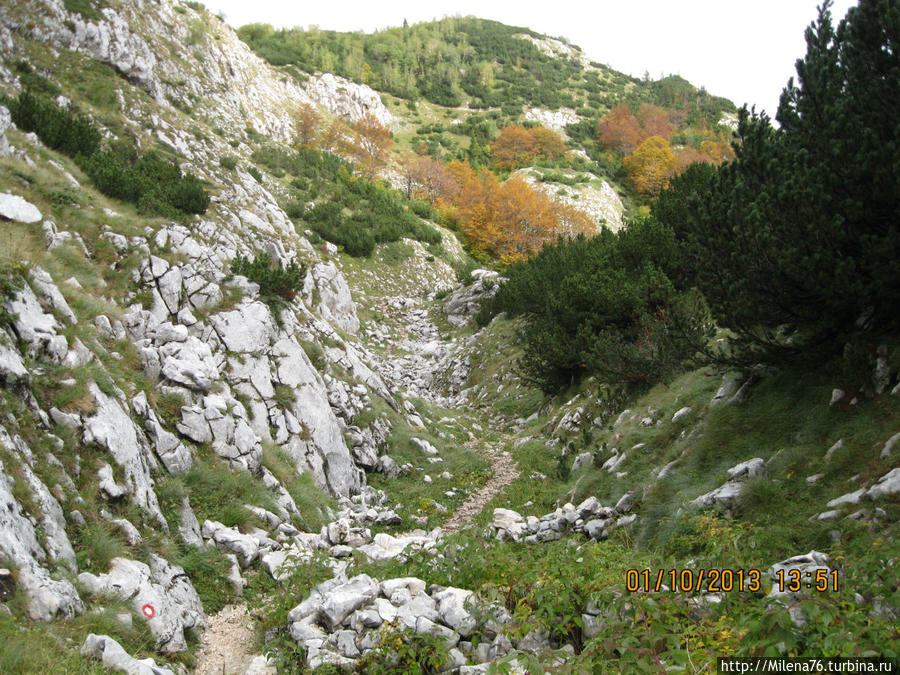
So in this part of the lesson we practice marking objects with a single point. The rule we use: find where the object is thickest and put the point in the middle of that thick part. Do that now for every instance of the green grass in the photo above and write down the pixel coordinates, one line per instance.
(96, 543)
(219, 493)
(311, 501)
(468, 468)
(208, 570)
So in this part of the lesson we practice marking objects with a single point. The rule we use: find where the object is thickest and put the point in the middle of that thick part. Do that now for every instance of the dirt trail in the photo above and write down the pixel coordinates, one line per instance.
(227, 644)
(505, 472)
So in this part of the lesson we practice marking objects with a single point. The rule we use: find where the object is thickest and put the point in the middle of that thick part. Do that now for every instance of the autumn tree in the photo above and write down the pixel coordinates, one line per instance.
(513, 148)
(308, 126)
(369, 144)
(619, 131)
(717, 151)
(548, 144)
(526, 220)
(335, 137)
(653, 121)
(509, 221)
(651, 165)
(688, 155)
(572, 221)
(423, 177)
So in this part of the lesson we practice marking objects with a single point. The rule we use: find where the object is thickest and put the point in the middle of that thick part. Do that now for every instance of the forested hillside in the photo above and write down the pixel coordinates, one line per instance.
(477, 101)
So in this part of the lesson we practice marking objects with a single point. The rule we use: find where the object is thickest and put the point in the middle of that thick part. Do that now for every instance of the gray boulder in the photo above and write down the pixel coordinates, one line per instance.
(228, 539)
(453, 609)
(724, 497)
(161, 591)
(110, 427)
(113, 656)
(335, 303)
(13, 207)
(888, 484)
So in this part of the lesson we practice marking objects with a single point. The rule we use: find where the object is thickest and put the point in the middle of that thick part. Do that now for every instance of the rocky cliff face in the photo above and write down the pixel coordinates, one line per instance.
(241, 376)
(178, 57)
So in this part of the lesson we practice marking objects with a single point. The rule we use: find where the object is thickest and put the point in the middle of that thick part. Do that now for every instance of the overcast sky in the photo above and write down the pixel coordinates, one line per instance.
(744, 51)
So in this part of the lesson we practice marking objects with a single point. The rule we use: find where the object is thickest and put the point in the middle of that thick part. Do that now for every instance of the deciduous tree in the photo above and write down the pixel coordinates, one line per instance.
(308, 126)
(654, 121)
(548, 144)
(651, 165)
(370, 144)
(619, 131)
(513, 148)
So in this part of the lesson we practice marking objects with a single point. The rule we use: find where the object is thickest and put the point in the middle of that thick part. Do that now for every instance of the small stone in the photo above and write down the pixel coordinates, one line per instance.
(834, 448)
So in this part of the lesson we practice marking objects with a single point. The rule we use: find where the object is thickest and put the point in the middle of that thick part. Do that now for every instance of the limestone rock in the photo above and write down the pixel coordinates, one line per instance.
(13, 207)
(347, 99)
(228, 539)
(189, 528)
(113, 656)
(335, 304)
(454, 611)
(888, 484)
(508, 523)
(12, 368)
(43, 285)
(161, 585)
(47, 598)
(111, 428)
(34, 326)
(807, 564)
(725, 496)
(171, 452)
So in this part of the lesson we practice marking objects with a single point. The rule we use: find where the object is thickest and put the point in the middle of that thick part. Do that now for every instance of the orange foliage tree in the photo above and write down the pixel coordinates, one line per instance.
(513, 148)
(651, 165)
(653, 121)
(369, 144)
(335, 137)
(509, 221)
(548, 144)
(619, 131)
(309, 123)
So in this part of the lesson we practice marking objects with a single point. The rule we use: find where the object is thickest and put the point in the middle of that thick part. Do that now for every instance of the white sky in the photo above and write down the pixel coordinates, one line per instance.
(744, 51)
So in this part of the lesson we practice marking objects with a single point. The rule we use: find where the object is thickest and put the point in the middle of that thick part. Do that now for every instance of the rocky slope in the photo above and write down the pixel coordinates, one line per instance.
(162, 419)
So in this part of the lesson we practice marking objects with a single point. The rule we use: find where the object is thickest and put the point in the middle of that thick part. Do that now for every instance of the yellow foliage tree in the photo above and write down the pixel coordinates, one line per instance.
(651, 165)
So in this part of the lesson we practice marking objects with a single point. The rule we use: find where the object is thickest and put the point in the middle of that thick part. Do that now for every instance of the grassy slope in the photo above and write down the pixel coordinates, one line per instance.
(785, 420)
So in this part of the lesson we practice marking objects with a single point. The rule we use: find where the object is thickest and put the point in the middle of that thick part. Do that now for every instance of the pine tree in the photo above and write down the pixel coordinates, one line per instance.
(796, 244)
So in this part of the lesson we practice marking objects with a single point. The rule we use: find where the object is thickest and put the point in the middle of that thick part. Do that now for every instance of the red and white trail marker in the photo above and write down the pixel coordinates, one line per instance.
(149, 611)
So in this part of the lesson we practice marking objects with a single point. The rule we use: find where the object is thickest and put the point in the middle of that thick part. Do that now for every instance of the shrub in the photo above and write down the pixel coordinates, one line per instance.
(273, 280)
(228, 162)
(256, 173)
(62, 129)
(153, 184)
(33, 81)
(604, 306)
(294, 209)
